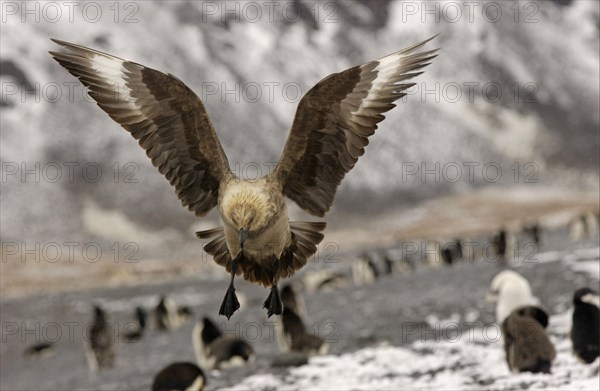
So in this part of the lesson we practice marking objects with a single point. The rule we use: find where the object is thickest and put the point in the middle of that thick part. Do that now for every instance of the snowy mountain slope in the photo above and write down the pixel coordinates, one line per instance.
(547, 72)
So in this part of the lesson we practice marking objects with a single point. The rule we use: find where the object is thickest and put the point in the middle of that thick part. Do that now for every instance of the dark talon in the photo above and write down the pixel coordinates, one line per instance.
(230, 302)
(273, 304)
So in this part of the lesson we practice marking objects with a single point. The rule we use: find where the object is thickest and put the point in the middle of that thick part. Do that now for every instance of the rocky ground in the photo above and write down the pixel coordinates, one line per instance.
(420, 329)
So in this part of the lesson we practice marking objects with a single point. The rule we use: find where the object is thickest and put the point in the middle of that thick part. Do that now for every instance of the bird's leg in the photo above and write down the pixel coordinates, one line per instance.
(273, 304)
(230, 302)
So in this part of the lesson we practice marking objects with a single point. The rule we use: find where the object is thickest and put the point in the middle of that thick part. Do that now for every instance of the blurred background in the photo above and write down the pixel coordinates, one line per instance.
(501, 131)
(507, 108)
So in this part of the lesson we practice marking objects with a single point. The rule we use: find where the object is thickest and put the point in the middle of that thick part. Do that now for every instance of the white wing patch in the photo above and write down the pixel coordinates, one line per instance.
(113, 73)
(389, 71)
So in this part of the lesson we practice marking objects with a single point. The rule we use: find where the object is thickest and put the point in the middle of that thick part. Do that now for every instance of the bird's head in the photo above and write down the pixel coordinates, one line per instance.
(249, 208)
(247, 216)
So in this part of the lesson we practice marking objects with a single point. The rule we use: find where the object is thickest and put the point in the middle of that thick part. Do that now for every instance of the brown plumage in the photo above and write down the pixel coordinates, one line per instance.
(527, 347)
(329, 133)
(163, 114)
(334, 120)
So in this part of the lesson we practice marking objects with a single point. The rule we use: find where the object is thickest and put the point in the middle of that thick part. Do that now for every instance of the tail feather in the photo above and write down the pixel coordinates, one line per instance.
(217, 247)
(306, 236)
(209, 233)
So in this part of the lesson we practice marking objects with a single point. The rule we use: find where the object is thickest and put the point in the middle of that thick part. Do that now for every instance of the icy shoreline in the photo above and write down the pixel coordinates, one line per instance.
(469, 362)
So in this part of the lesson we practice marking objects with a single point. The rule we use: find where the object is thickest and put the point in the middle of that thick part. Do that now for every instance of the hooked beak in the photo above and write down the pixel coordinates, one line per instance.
(243, 235)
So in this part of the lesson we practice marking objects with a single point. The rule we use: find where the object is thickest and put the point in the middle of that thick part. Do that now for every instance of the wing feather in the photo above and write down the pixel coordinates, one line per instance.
(163, 114)
(334, 120)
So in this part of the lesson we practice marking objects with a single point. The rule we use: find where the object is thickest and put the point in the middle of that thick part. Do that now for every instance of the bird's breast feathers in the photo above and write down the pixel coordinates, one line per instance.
(256, 208)
(267, 245)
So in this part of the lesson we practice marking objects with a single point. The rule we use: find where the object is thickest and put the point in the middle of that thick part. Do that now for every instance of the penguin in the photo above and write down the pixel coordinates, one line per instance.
(534, 232)
(217, 351)
(162, 313)
(39, 350)
(499, 241)
(292, 335)
(388, 264)
(509, 291)
(324, 280)
(452, 252)
(459, 249)
(290, 299)
(179, 376)
(432, 253)
(579, 228)
(585, 329)
(364, 270)
(100, 351)
(527, 347)
(408, 263)
(332, 282)
(468, 251)
(137, 329)
(168, 316)
(184, 313)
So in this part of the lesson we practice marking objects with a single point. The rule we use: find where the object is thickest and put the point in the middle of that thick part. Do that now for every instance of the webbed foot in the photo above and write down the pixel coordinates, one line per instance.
(273, 303)
(230, 303)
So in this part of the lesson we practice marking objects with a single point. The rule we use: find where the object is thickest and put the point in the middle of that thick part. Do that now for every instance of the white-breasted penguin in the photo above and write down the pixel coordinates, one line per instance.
(99, 350)
(295, 337)
(364, 270)
(179, 376)
(217, 351)
(168, 316)
(585, 329)
(509, 290)
(526, 344)
(583, 226)
(325, 280)
(136, 330)
(291, 299)
(292, 334)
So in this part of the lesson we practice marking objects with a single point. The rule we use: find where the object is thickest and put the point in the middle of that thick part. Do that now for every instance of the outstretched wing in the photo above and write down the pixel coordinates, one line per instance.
(163, 114)
(334, 120)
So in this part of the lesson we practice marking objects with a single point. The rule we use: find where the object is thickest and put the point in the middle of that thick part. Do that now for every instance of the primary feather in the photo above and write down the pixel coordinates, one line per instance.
(330, 131)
